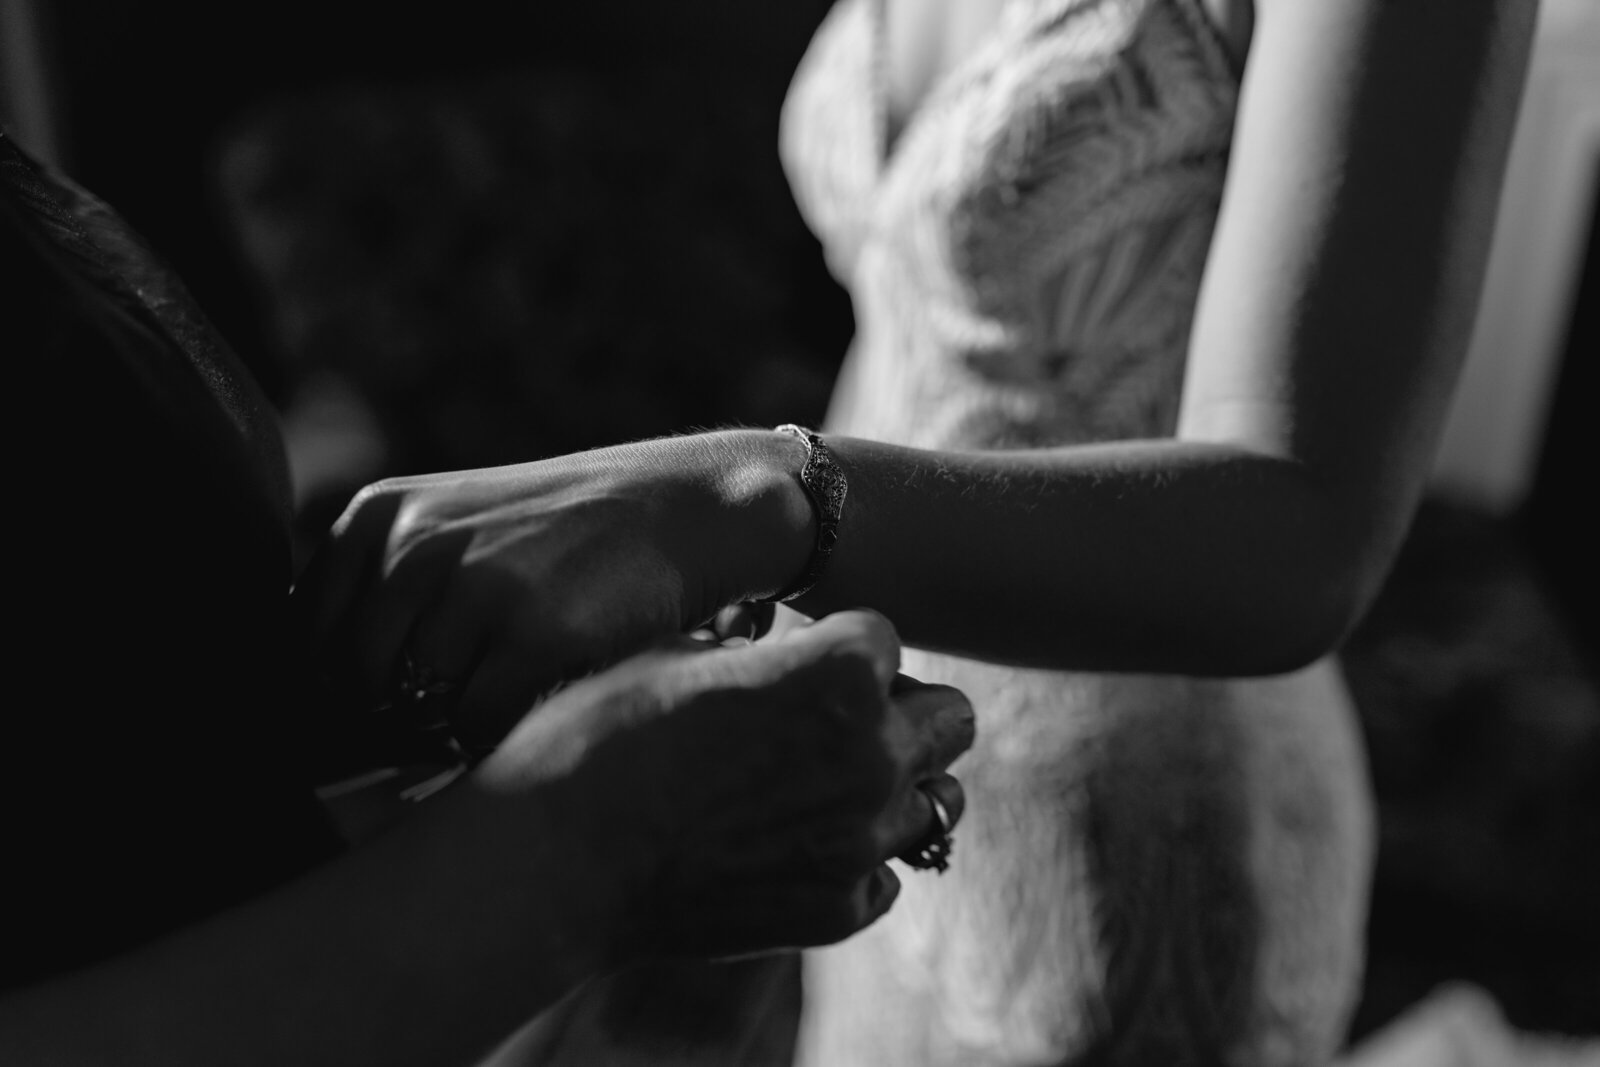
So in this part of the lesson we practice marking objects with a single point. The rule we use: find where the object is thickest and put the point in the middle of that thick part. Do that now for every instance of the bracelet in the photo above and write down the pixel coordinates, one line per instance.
(825, 486)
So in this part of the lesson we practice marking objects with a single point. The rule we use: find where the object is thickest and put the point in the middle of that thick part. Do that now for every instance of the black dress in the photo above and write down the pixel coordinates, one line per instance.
(157, 723)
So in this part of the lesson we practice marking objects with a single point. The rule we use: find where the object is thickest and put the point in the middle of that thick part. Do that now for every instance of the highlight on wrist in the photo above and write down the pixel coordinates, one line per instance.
(825, 485)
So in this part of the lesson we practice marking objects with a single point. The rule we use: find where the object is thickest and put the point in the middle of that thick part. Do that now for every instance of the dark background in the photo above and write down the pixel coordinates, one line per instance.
(489, 234)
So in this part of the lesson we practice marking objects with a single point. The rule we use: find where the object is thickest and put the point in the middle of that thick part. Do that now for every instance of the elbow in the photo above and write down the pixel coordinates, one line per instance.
(1295, 620)
(1290, 641)
(1304, 575)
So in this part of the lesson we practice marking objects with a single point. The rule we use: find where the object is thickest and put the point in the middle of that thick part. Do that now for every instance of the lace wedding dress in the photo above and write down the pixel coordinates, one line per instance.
(1151, 870)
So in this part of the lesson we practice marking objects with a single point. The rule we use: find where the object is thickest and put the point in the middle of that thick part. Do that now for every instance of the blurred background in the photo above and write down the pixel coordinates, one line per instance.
(484, 234)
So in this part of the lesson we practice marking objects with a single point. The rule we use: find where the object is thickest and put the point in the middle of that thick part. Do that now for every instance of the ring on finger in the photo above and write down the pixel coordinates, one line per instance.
(932, 853)
(418, 685)
(416, 719)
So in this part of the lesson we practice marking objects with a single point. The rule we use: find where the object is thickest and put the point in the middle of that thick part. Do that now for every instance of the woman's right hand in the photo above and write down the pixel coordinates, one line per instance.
(502, 583)
(740, 798)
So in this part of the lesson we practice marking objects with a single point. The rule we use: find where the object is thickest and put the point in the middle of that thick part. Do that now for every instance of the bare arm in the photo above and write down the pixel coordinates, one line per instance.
(1332, 321)
(1339, 292)
(690, 802)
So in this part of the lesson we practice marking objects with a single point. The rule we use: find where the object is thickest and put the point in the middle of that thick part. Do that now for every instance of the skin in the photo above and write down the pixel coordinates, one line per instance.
(1328, 337)
(765, 787)
(1369, 145)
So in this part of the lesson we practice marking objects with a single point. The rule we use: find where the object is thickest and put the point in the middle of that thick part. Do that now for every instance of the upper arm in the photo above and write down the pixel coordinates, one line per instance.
(1344, 273)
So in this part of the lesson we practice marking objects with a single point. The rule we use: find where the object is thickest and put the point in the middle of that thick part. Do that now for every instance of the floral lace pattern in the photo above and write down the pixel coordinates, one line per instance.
(1150, 869)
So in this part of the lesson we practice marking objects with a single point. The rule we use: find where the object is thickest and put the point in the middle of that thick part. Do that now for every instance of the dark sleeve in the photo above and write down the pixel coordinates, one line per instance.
(151, 771)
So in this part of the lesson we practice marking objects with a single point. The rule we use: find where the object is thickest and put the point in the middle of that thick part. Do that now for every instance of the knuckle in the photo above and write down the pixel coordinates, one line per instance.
(380, 493)
(940, 716)
(357, 513)
(961, 716)
(371, 511)
(415, 522)
(836, 688)
(873, 638)
(851, 676)
(870, 630)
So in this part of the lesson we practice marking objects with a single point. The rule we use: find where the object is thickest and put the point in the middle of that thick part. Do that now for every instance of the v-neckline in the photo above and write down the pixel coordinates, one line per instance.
(887, 145)
(887, 149)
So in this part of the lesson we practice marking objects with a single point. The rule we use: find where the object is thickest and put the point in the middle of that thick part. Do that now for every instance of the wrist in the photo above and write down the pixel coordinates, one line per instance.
(770, 522)
(724, 508)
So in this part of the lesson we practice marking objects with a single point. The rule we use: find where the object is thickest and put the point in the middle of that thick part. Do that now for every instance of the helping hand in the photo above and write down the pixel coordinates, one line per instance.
(752, 794)
(505, 582)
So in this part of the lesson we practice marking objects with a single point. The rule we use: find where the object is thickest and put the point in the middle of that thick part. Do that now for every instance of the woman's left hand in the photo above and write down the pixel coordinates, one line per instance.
(493, 586)
(719, 801)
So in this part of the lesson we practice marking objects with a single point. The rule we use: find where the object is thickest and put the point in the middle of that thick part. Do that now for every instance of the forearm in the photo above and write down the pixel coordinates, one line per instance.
(1162, 555)
(415, 949)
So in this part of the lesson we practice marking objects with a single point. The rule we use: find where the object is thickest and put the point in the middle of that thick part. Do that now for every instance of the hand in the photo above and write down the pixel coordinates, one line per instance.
(506, 581)
(747, 797)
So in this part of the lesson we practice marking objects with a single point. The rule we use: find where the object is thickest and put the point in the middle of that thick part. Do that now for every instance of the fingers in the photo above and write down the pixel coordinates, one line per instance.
(451, 643)
(784, 851)
(747, 620)
(857, 631)
(944, 792)
(496, 695)
(923, 817)
(363, 593)
(927, 729)
(343, 564)
(392, 617)
(942, 723)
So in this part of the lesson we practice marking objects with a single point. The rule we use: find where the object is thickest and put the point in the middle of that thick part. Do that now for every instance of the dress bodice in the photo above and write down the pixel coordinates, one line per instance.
(1024, 257)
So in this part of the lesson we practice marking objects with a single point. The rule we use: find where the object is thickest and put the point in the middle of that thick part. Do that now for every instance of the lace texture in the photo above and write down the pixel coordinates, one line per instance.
(1151, 869)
